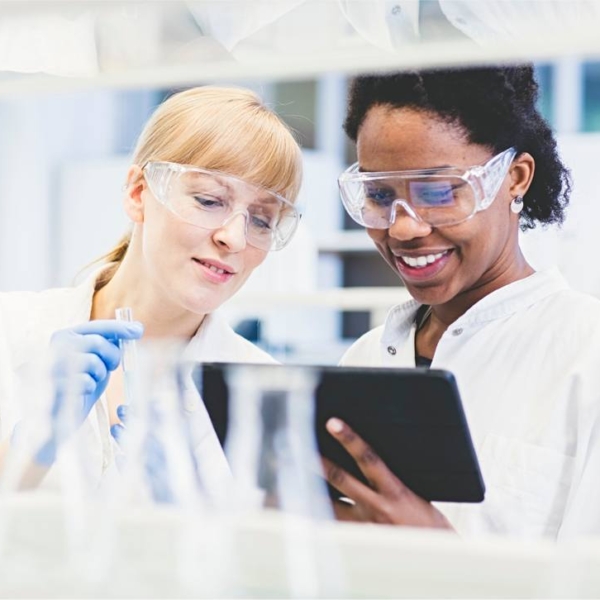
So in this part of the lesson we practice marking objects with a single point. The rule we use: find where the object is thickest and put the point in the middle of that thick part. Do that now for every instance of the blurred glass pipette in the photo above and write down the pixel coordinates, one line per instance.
(129, 355)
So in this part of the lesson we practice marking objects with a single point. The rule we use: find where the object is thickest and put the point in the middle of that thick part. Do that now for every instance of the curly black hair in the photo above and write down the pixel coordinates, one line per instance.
(495, 106)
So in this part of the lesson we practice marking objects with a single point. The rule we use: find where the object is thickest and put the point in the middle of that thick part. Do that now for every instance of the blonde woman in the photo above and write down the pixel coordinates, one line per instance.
(210, 192)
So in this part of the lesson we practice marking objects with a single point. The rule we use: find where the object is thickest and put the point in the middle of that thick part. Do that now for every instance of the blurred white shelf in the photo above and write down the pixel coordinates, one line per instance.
(270, 555)
(355, 298)
(347, 241)
(75, 44)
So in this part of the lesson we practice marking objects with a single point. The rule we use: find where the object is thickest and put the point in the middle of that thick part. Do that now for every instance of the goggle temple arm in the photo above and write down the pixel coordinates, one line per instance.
(492, 174)
(158, 177)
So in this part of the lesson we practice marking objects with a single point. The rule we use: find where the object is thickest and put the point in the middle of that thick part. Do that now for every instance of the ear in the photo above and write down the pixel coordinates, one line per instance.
(133, 200)
(521, 174)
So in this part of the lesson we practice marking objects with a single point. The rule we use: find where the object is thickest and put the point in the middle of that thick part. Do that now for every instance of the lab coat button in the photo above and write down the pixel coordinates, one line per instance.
(457, 331)
(391, 350)
(396, 10)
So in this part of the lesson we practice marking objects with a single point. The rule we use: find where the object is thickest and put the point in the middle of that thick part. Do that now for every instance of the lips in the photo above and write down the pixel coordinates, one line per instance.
(214, 272)
(424, 265)
(215, 267)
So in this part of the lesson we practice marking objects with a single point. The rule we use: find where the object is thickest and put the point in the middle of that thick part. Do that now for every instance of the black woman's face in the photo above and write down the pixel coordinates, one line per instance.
(461, 257)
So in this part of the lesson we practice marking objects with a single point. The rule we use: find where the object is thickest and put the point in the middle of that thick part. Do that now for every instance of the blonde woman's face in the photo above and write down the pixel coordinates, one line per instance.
(198, 269)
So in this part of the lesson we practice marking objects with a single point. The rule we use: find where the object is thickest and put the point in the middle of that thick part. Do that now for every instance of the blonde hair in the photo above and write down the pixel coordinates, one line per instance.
(219, 128)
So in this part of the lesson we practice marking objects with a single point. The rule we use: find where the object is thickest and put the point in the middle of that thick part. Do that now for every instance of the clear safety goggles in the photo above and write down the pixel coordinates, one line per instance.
(438, 197)
(210, 199)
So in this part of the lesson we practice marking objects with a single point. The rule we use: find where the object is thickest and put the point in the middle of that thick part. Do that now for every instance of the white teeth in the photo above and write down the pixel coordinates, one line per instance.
(215, 269)
(422, 261)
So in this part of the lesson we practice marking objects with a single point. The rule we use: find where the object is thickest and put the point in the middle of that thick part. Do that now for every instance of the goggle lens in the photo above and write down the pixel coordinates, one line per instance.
(435, 200)
(209, 199)
(439, 197)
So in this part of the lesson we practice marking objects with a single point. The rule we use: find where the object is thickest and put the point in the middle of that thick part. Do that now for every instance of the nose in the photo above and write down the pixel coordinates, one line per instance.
(406, 224)
(232, 232)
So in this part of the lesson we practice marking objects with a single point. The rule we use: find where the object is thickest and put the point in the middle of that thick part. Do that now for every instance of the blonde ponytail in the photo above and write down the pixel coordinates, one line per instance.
(114, 258)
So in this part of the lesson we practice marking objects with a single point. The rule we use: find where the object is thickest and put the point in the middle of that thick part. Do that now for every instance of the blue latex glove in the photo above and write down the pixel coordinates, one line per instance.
(83, 357)
(118, 430)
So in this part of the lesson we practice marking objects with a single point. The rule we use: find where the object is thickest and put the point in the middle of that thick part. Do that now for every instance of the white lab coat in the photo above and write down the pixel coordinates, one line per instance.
(527, 363)
(28, 320)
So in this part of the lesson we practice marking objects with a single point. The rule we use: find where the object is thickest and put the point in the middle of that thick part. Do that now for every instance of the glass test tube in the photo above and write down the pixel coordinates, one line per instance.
(129, 354)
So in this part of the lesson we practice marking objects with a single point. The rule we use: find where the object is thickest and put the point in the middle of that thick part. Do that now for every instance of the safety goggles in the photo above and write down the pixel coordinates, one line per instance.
(438, 197)
(210, 199)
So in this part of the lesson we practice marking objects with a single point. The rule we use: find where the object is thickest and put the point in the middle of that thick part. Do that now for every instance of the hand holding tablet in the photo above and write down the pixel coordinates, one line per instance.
(411, 419)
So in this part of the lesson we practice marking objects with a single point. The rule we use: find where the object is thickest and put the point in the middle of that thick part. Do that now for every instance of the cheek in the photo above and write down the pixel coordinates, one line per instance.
(480, 240)
(169, 243)
(187, 239)
(253, 257)
(380, 239)
(378, 236)
(158, 226)
(179, 237)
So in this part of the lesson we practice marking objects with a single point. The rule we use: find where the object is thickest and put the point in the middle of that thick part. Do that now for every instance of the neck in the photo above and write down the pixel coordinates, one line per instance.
(150, 305)
(504, 273)
(443, 315)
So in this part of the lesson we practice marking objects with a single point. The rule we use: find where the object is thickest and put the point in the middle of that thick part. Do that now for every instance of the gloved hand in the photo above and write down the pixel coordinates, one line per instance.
(82, 359)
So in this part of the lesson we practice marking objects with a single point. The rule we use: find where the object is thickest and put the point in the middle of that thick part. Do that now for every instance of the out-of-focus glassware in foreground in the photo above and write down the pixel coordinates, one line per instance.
(152, 516)
(128, 353)
(52, 467)
(159, 474)
(275, 462)
(159, 467)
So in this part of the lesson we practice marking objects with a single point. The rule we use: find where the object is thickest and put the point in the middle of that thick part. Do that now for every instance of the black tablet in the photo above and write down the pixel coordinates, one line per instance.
(412, 418)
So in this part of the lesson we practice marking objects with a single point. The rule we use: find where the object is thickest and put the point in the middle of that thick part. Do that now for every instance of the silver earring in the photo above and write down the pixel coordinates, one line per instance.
(516, 205)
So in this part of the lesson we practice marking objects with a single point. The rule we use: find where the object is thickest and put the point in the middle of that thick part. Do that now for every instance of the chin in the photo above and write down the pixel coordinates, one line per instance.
(199, 304)
(431, 296)
(202, 308)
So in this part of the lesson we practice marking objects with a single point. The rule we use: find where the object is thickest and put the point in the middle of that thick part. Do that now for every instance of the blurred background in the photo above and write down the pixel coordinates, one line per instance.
(79, 79)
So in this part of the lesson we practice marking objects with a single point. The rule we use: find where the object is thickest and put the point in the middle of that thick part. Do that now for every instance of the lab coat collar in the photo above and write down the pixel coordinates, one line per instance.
(499, 304)
(83, 296)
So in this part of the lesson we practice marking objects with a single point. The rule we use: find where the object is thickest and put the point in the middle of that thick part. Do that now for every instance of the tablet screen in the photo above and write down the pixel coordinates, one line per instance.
(412, 418)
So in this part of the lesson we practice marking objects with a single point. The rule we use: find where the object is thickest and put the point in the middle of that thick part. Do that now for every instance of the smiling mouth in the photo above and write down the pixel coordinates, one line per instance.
(213, 268)
(420, 262)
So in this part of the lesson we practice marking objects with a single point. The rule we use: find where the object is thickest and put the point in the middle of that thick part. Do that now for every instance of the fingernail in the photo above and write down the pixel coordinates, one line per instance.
(335, 425)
